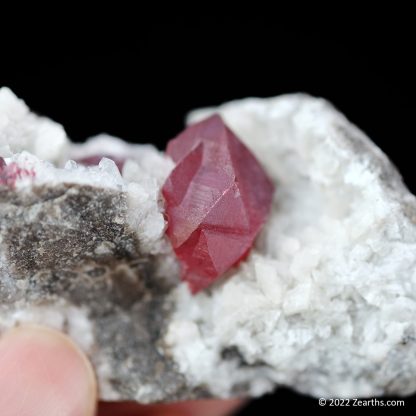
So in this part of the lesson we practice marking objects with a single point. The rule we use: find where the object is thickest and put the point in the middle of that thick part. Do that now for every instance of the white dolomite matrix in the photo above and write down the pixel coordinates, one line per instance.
(325, 303)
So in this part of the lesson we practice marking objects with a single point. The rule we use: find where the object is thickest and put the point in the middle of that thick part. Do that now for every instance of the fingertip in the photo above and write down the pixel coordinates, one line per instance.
(42, 372)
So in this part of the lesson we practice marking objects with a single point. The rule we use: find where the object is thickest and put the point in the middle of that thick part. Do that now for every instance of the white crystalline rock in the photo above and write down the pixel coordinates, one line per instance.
(144, 172)
(326, 302)
(105, 174)
(22, 130)
(61, 316)
(39, 145)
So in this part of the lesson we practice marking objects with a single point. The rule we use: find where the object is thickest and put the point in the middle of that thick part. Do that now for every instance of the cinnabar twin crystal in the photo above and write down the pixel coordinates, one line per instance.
(217, 199)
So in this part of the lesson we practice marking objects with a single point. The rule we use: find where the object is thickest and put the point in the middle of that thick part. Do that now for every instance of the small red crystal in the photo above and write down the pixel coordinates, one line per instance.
(10, 173)
(95, 160)
(217, 199)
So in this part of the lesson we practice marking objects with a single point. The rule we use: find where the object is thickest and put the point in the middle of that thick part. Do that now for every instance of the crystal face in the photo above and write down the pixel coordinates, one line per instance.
(217, 199)
(95, 160)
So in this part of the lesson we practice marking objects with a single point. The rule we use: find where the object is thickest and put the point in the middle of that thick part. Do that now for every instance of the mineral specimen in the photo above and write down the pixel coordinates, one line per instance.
(217, 198)
(324, 303)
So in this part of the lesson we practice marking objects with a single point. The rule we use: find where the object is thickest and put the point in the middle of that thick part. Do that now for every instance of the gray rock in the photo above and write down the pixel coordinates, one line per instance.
(68, 246)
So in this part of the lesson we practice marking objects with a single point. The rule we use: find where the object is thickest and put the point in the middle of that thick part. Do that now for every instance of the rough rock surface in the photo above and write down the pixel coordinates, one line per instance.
(325, 303)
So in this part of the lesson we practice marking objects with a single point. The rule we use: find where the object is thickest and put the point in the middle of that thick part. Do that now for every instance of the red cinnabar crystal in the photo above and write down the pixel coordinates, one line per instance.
(9, 174)
(217, 199)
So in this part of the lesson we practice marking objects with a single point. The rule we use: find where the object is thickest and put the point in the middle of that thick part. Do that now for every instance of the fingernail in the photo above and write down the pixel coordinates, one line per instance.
(42, 372)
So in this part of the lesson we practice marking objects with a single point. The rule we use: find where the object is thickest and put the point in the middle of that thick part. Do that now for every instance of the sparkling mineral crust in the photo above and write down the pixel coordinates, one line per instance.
(325, 303)
(217, 198)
